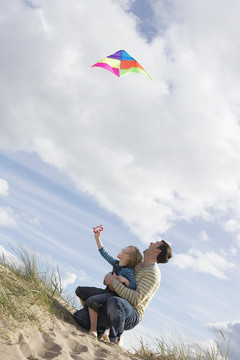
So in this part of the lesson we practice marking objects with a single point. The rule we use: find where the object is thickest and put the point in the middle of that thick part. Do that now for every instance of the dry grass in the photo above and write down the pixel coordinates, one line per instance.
(24, 288)
(180, 351)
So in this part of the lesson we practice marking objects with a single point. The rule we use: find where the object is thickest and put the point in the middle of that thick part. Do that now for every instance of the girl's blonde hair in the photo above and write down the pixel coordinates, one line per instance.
(135, 256)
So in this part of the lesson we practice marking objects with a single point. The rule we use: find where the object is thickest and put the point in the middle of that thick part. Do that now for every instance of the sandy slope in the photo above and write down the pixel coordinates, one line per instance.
(53, 337)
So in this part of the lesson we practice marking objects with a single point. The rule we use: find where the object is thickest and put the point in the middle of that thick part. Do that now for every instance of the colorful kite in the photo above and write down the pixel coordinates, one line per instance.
(121, 63)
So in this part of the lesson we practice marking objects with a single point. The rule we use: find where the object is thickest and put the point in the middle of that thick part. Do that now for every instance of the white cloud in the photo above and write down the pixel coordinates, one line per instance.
(68, 278)
(238, 240)
(228, 334)
(232, 251)
(4, 188)
(8, 256)
(7, 217)
(49, 152)
(82, 276)
(32, 220)
(207, 263)
(152, 152)
(232, 225)
(35, 221)
(203, 236)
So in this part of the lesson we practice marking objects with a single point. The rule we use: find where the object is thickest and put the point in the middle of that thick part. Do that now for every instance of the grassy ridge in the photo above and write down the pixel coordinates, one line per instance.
(180, 351)
(23, 286)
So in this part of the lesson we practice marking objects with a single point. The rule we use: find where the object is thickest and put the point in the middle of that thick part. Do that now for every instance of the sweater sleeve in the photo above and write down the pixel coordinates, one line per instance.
(146, 287)
(107, 257)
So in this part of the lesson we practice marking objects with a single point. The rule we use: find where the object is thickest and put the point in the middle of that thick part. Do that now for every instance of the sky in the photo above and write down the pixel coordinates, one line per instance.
(147, 159)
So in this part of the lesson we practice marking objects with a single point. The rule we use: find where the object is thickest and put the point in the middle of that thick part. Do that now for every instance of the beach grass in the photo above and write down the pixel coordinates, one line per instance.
(24, 287)
(180, 350)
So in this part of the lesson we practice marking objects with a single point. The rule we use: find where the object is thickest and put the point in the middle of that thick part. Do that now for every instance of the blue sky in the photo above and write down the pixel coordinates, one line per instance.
(147, 159)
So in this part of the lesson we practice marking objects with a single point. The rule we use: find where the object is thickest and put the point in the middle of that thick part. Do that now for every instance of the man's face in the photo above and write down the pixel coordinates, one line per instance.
(153, 247)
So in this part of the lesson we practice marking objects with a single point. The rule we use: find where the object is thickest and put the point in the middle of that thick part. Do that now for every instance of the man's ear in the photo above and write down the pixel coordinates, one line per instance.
(157, 251)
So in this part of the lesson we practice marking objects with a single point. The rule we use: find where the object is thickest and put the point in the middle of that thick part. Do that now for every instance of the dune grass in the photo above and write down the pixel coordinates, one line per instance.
(179, 350)
(24, 286)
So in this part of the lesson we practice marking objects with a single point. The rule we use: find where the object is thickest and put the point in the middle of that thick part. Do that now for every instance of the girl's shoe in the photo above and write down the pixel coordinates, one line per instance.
(93, 334)
(103, 336)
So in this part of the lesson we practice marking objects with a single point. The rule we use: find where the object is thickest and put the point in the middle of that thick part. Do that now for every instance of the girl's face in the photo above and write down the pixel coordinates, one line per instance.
(124, 255)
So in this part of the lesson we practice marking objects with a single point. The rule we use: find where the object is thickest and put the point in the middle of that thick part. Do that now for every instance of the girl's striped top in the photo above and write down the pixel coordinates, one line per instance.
(126, 271)
(148, 280)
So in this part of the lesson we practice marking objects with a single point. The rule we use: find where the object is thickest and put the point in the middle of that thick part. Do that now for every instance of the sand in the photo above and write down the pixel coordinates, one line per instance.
(53, 337)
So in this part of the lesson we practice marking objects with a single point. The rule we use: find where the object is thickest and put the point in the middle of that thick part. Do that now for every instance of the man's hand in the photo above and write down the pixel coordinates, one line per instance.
(108, 280)
(123, 280)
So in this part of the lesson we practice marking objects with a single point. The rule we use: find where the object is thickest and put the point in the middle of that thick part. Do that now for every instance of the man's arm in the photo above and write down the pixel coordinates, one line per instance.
(146, 287)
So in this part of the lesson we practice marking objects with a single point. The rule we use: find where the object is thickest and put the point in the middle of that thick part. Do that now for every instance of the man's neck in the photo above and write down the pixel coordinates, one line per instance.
(148, 261)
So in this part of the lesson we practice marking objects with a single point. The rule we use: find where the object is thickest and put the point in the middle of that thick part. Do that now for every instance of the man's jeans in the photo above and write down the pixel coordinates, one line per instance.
(118, 315)
(122, 316)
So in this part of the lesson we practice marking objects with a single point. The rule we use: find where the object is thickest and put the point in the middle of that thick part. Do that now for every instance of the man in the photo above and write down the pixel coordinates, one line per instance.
(124, 312)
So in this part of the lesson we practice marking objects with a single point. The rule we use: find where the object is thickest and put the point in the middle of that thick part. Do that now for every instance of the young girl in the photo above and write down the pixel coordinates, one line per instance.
(123, 268)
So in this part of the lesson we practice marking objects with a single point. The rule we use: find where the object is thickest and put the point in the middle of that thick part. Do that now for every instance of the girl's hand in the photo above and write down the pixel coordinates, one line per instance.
(124, 280)
(97, 234)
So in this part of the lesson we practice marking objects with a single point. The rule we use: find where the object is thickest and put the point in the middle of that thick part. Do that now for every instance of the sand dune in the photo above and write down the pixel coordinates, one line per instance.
(53, 337)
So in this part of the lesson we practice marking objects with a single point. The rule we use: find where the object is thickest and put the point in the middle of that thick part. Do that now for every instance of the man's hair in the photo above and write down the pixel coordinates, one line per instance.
(135, 256)
(165, 254)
